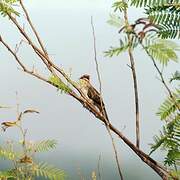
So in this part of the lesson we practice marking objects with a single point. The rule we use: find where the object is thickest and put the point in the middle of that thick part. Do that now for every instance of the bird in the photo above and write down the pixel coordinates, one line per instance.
(92, 94)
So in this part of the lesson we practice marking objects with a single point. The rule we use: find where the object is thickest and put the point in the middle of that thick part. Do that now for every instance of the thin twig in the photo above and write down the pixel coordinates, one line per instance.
(33, 28)
(103, 108)
(98, 168)
(133, 69)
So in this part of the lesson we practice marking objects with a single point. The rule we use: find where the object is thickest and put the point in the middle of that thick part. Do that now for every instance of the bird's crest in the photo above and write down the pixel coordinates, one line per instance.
(85, 76)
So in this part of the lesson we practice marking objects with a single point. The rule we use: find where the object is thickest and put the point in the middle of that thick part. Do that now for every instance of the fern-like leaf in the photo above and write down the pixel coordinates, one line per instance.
(7, 154)
(8, 174)
(144, 3)
(163, 50)
(168, 107)
(124, 45)
(120, 5)
(169, 138)
(44, 145)
(49, 172)
(6, 7)
(115, 21)
(164, 14)
(167, 18)
(175, 76)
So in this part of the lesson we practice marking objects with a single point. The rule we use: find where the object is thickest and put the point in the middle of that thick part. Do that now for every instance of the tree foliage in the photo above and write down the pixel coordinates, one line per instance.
(169, 137)
(7, 7)
(49, 172)
(163, 13)
(23, 160)
(163, 50)
(44, 145)
(60, 84)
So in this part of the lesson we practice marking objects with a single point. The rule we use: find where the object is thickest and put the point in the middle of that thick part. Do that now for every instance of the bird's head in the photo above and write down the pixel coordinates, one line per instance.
(84, 80)
(85, 77)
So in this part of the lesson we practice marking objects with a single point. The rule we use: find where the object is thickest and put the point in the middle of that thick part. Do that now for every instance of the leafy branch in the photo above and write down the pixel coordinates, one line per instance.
(24, 165)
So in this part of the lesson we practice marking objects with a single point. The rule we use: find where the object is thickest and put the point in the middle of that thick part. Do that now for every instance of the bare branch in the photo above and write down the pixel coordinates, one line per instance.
(103, 106)
(34, 30)
(133, 69)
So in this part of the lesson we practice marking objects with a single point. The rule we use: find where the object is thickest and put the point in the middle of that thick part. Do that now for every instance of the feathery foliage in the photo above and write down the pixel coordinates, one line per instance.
(50, 172)
(6, 7)
(162, 50)
(169, 138)
(164, 14)
(120, 5)
(45, 145)
(168, 107)
(175, 76)
(115, 20)
(167, 17)
(7, 154)
(8, 174)
(123, 46)
(56, 81)
(24, 163)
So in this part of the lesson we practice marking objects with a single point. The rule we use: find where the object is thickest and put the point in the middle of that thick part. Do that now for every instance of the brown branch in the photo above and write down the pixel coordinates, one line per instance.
(103, 108)
(135, 92)
(32, 27)
(49, 63)
(133, 69)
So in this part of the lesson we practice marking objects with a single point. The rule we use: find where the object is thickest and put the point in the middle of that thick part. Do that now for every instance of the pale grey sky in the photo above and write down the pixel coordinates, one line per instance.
(57, 4)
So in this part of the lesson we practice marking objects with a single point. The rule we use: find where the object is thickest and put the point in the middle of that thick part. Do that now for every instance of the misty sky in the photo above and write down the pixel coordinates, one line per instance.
(66, 31)
(99, 4)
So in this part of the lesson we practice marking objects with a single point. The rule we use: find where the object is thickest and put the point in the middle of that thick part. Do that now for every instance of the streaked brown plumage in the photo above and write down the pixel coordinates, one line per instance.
(92, 93)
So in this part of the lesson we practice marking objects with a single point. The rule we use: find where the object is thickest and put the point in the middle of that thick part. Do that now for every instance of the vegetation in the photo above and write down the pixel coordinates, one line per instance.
(22, 154)
(153, 34)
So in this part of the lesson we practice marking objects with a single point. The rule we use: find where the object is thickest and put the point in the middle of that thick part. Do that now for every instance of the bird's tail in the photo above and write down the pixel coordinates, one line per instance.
(103, 111)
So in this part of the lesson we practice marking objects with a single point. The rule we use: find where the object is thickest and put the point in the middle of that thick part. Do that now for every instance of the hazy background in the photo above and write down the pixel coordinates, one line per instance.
(66, 31)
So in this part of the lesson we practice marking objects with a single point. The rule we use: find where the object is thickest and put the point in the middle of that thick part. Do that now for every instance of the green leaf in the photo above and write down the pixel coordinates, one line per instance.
(7, 154)
(163, 51)
(168, 107)
(45, 145)
(175, 76)
(49, 172)
(124, 45)
(120, 5)
(115, 21)
(143, 3)
(6, 7)
(7, 174)
(56, 81)
(166, 18)
(169, 137)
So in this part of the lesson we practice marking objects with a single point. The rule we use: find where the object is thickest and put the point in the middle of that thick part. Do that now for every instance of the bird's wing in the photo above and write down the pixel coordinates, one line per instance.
(94, 95)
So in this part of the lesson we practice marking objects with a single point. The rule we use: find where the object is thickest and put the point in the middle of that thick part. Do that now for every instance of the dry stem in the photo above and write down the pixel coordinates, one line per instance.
(133, 69)
(103, 108)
